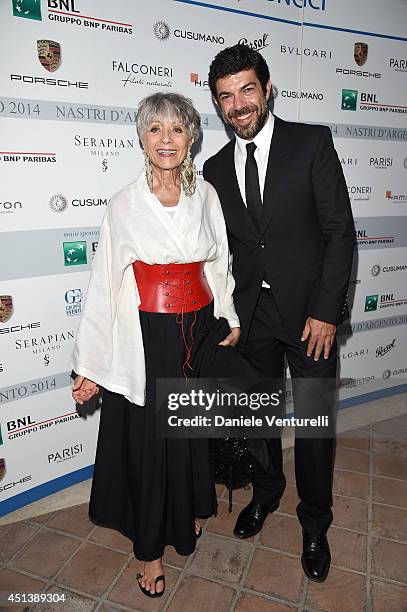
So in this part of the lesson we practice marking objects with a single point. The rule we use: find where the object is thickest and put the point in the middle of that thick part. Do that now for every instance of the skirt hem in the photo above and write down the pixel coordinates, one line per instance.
(111, 525)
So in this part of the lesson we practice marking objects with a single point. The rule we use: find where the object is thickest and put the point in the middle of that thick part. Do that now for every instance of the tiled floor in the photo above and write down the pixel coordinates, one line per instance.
(64, 553)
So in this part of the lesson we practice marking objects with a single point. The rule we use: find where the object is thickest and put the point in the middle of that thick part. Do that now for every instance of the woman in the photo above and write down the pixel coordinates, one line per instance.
(147, 298)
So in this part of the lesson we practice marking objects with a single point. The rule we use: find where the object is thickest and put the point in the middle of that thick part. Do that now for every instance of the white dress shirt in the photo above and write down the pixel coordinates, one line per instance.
(109, 345)
(261, 155)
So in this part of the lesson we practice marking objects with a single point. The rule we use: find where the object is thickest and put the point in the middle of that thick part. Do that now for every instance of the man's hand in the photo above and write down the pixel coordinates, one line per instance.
(231, 339)
(83, 389)
(321, 336)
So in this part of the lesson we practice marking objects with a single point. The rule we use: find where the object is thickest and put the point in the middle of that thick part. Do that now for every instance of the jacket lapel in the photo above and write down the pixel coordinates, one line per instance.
(275, 174)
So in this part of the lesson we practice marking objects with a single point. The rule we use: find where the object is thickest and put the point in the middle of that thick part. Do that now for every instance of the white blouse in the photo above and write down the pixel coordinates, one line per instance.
(109, 347)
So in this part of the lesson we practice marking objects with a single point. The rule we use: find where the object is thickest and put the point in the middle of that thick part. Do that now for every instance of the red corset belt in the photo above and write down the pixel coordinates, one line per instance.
(172, 288)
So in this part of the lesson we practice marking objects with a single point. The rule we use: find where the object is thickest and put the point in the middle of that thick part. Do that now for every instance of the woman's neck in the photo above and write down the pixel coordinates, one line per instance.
(166, 186)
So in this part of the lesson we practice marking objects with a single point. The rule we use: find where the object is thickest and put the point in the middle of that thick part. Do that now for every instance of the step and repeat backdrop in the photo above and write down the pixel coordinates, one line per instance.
(72, 74)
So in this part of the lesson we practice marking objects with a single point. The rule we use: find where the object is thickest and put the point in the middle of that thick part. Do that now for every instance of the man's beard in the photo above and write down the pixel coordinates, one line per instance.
(249, 131)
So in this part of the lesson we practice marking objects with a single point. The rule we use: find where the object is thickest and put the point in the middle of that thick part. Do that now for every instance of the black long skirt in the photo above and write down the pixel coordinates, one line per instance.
(151, 488)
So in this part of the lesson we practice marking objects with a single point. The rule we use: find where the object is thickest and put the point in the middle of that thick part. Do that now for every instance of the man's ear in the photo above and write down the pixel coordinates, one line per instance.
(268, 89)
(215, 101)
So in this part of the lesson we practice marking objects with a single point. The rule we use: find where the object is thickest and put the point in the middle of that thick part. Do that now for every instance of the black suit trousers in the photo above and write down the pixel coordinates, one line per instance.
(267, 344)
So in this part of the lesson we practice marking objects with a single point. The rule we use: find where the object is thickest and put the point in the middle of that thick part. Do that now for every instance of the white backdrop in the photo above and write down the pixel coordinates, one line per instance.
(68, 143)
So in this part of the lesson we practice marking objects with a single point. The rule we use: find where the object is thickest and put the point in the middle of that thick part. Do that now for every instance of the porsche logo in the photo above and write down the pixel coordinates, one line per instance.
(6, 308)
(360, 53)
(49, 54)
(2, 468)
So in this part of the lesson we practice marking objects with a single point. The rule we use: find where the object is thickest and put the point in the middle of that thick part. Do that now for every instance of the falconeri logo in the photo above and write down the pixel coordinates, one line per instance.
(29, 9)
(49, 54)
(360, 193)
(143, 74)
(75, 253)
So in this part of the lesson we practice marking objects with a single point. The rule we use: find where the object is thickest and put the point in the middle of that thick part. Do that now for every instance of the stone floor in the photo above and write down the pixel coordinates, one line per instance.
(63, 552)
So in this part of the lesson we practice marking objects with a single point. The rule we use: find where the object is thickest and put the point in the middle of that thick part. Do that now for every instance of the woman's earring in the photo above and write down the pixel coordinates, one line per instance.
(148, 171)
(188, 175)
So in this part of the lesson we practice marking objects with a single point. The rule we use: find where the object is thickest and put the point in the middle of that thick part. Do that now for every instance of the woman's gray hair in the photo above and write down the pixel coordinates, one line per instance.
(167, 106)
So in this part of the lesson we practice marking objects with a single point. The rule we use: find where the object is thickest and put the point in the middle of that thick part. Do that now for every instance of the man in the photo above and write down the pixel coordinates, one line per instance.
(291, 236)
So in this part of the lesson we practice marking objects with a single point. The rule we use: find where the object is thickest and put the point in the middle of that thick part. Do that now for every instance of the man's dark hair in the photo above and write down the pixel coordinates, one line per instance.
(234, 59)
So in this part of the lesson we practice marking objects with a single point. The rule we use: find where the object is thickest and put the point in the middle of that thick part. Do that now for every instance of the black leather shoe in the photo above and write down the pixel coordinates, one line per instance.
(316, 556)
(251, 519)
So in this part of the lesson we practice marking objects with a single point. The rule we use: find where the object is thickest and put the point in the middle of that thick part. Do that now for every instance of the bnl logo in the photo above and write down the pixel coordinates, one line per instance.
(349, 99)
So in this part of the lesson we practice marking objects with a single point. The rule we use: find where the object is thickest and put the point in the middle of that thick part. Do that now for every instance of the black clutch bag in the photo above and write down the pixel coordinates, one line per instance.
(233, 464)
(234, 461)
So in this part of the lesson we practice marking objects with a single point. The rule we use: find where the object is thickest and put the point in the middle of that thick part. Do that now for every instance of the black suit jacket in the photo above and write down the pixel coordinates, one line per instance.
(305, 246)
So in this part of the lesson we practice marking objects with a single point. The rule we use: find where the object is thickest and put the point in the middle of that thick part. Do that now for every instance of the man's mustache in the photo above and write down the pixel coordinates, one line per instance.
(242, 111)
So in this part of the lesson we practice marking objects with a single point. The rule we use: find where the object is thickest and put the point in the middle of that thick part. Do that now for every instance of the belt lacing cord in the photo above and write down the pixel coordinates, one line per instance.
(183, 277)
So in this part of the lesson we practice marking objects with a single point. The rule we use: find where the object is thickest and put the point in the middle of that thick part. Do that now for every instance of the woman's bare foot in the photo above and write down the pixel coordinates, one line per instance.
(198, 528)
(151, 570)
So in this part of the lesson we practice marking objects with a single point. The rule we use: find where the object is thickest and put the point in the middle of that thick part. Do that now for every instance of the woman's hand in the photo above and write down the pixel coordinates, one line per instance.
(233, 338)
(83, 389)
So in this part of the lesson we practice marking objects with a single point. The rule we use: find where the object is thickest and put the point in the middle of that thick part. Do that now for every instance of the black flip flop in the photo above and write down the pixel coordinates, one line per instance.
(147, 593)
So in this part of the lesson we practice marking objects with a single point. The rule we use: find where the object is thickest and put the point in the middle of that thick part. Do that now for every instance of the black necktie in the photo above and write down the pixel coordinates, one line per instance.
(253, 195)
(252, 185)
